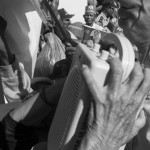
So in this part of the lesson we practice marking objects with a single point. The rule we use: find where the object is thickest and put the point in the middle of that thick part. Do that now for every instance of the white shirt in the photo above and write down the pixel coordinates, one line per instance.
(97, 27)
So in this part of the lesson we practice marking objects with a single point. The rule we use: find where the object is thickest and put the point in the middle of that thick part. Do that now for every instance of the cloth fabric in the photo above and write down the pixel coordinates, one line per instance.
(23, 30)
(91, 9)
(97, 27)
(77, 29)
(15, 81)
(53, 51)
(15, 136)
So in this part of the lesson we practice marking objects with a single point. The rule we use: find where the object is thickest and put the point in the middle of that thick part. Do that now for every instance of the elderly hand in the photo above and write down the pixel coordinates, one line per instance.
(112, 118)
(135, 20)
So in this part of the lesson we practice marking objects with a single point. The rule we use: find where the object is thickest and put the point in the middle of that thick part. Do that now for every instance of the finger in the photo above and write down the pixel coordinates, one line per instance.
(135, 79)
(91, 83)
(116, 72)
(145, 86)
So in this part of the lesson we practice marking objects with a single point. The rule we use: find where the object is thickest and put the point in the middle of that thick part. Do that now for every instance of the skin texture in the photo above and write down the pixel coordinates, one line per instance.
(114, 108)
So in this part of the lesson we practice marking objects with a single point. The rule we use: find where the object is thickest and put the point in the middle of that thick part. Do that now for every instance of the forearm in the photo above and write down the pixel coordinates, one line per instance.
(89, 144)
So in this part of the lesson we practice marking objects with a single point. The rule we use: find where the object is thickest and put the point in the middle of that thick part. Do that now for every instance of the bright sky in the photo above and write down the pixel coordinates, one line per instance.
(76, 7)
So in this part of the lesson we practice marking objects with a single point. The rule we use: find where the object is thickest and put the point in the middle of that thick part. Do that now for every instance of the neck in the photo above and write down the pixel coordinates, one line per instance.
(90, 24)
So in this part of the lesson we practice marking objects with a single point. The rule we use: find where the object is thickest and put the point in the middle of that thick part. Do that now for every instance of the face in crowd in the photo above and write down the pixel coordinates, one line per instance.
(66, 22)
(89, 18)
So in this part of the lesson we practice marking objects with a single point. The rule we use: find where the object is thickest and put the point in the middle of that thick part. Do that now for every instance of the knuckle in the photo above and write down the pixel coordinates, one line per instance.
(113, 96)
(119, 70)
(140, 75)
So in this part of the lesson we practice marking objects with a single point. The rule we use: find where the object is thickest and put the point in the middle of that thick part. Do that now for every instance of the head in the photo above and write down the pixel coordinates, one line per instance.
(90, 15)
(65, 17)
(114, 21)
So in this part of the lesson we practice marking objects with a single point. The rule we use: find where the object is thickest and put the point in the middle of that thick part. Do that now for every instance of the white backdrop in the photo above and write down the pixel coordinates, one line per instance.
(76, 7)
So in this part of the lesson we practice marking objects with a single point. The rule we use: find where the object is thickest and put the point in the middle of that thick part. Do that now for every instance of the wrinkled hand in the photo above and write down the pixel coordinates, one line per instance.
(112, 118)
(135, 20)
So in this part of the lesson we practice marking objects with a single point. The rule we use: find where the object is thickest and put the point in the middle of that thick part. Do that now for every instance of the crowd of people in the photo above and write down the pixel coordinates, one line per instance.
(29, 102)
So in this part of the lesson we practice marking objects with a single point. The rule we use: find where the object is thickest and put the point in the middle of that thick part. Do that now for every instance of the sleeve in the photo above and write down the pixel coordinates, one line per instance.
(15, 81)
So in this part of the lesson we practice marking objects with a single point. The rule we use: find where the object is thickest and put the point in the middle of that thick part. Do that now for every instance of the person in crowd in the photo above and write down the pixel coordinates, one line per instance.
(65, 16)
(105, 129)
(18, 126)
(90, 26)
(114, 26)
(104, 125)
(135, 20)
(90, 16)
